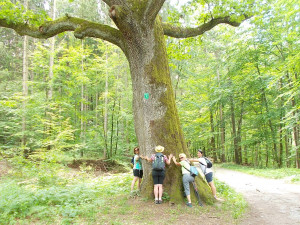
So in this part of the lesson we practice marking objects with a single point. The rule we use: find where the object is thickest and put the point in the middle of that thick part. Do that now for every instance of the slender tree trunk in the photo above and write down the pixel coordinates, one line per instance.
(273, 133)
(234, 134)
(239, 133)
(222, 124)
(296, 128)
(267, 155)
(281, 127)
(212, 139)
(25, 85)
(105, 154)
(82, 104)
(296, 124)
(287, 154)
(222, 121)
(51, 59)
(112, 128)
(117, 126)
(256, 155)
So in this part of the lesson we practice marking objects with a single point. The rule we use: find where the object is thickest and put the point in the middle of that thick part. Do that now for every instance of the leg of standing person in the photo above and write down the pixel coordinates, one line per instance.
(160, 192)
(161, 181)
(140, 181)
(156, 185)
(156, 192)
(133, 182)
(209, 179)
(213, 188)
(186, 179)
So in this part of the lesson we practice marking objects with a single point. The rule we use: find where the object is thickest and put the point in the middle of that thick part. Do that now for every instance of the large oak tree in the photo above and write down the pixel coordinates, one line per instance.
(140, 33)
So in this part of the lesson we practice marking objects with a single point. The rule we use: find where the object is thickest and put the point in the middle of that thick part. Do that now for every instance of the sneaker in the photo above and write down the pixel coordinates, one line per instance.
(159, 201)
(156, 202)
(219, 199)
(189, 204)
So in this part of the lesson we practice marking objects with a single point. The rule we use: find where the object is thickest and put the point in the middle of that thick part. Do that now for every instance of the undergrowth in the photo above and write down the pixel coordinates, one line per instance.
(47, 193)
(38, 192)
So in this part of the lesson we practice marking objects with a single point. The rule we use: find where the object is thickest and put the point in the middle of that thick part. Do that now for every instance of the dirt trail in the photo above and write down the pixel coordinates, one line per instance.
(271, 201)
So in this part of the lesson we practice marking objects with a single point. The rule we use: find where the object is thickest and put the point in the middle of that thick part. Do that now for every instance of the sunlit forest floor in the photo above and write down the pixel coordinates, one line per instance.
(53, 193)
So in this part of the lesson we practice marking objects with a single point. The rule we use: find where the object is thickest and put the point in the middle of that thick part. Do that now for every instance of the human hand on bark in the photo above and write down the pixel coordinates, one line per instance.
(145, 157)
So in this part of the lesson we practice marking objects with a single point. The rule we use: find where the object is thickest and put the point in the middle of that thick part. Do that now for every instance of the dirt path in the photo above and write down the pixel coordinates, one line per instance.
(270, 201)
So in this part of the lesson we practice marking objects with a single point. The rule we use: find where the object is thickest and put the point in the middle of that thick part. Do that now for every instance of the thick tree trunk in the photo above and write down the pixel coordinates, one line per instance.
(155, 114)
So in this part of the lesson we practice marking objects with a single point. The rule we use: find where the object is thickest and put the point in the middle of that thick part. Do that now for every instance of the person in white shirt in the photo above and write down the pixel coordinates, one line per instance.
(208, 172)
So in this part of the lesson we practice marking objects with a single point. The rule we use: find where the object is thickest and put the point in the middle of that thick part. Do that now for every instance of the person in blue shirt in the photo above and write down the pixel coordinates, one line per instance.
(137, 169)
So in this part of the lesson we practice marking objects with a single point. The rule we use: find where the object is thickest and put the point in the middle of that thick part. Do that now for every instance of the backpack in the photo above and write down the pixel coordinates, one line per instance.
(158, 163)
(193, 171)
(132, 160)
(208, 162)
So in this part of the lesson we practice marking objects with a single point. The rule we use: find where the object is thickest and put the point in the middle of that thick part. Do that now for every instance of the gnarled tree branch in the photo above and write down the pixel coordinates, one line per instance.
(152, 9)
(82, 28)
(185, 32)
(114, 2)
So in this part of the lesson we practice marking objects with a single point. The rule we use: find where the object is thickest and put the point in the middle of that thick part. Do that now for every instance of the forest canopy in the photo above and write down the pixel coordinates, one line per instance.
(236, 89)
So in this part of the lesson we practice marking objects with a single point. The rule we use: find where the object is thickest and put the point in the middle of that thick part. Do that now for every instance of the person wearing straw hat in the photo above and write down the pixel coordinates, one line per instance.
(158, 171)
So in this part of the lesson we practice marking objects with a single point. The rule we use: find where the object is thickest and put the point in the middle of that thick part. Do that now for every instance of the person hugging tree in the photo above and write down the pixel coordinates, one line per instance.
(208, 173)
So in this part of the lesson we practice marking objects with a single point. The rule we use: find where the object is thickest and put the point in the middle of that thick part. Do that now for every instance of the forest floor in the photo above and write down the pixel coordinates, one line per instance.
(4, 167)
(270, 201)
(118, 208)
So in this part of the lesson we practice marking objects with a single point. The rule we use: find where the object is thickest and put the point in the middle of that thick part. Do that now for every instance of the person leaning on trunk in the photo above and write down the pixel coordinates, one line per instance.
(208, 173)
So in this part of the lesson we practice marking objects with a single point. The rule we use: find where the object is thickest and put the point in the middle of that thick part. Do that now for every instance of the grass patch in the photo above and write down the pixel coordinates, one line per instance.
(234, 202)
(291, 174)
(51, 193)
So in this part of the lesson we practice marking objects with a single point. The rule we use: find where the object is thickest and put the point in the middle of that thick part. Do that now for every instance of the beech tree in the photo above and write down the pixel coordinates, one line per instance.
(140, 33)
